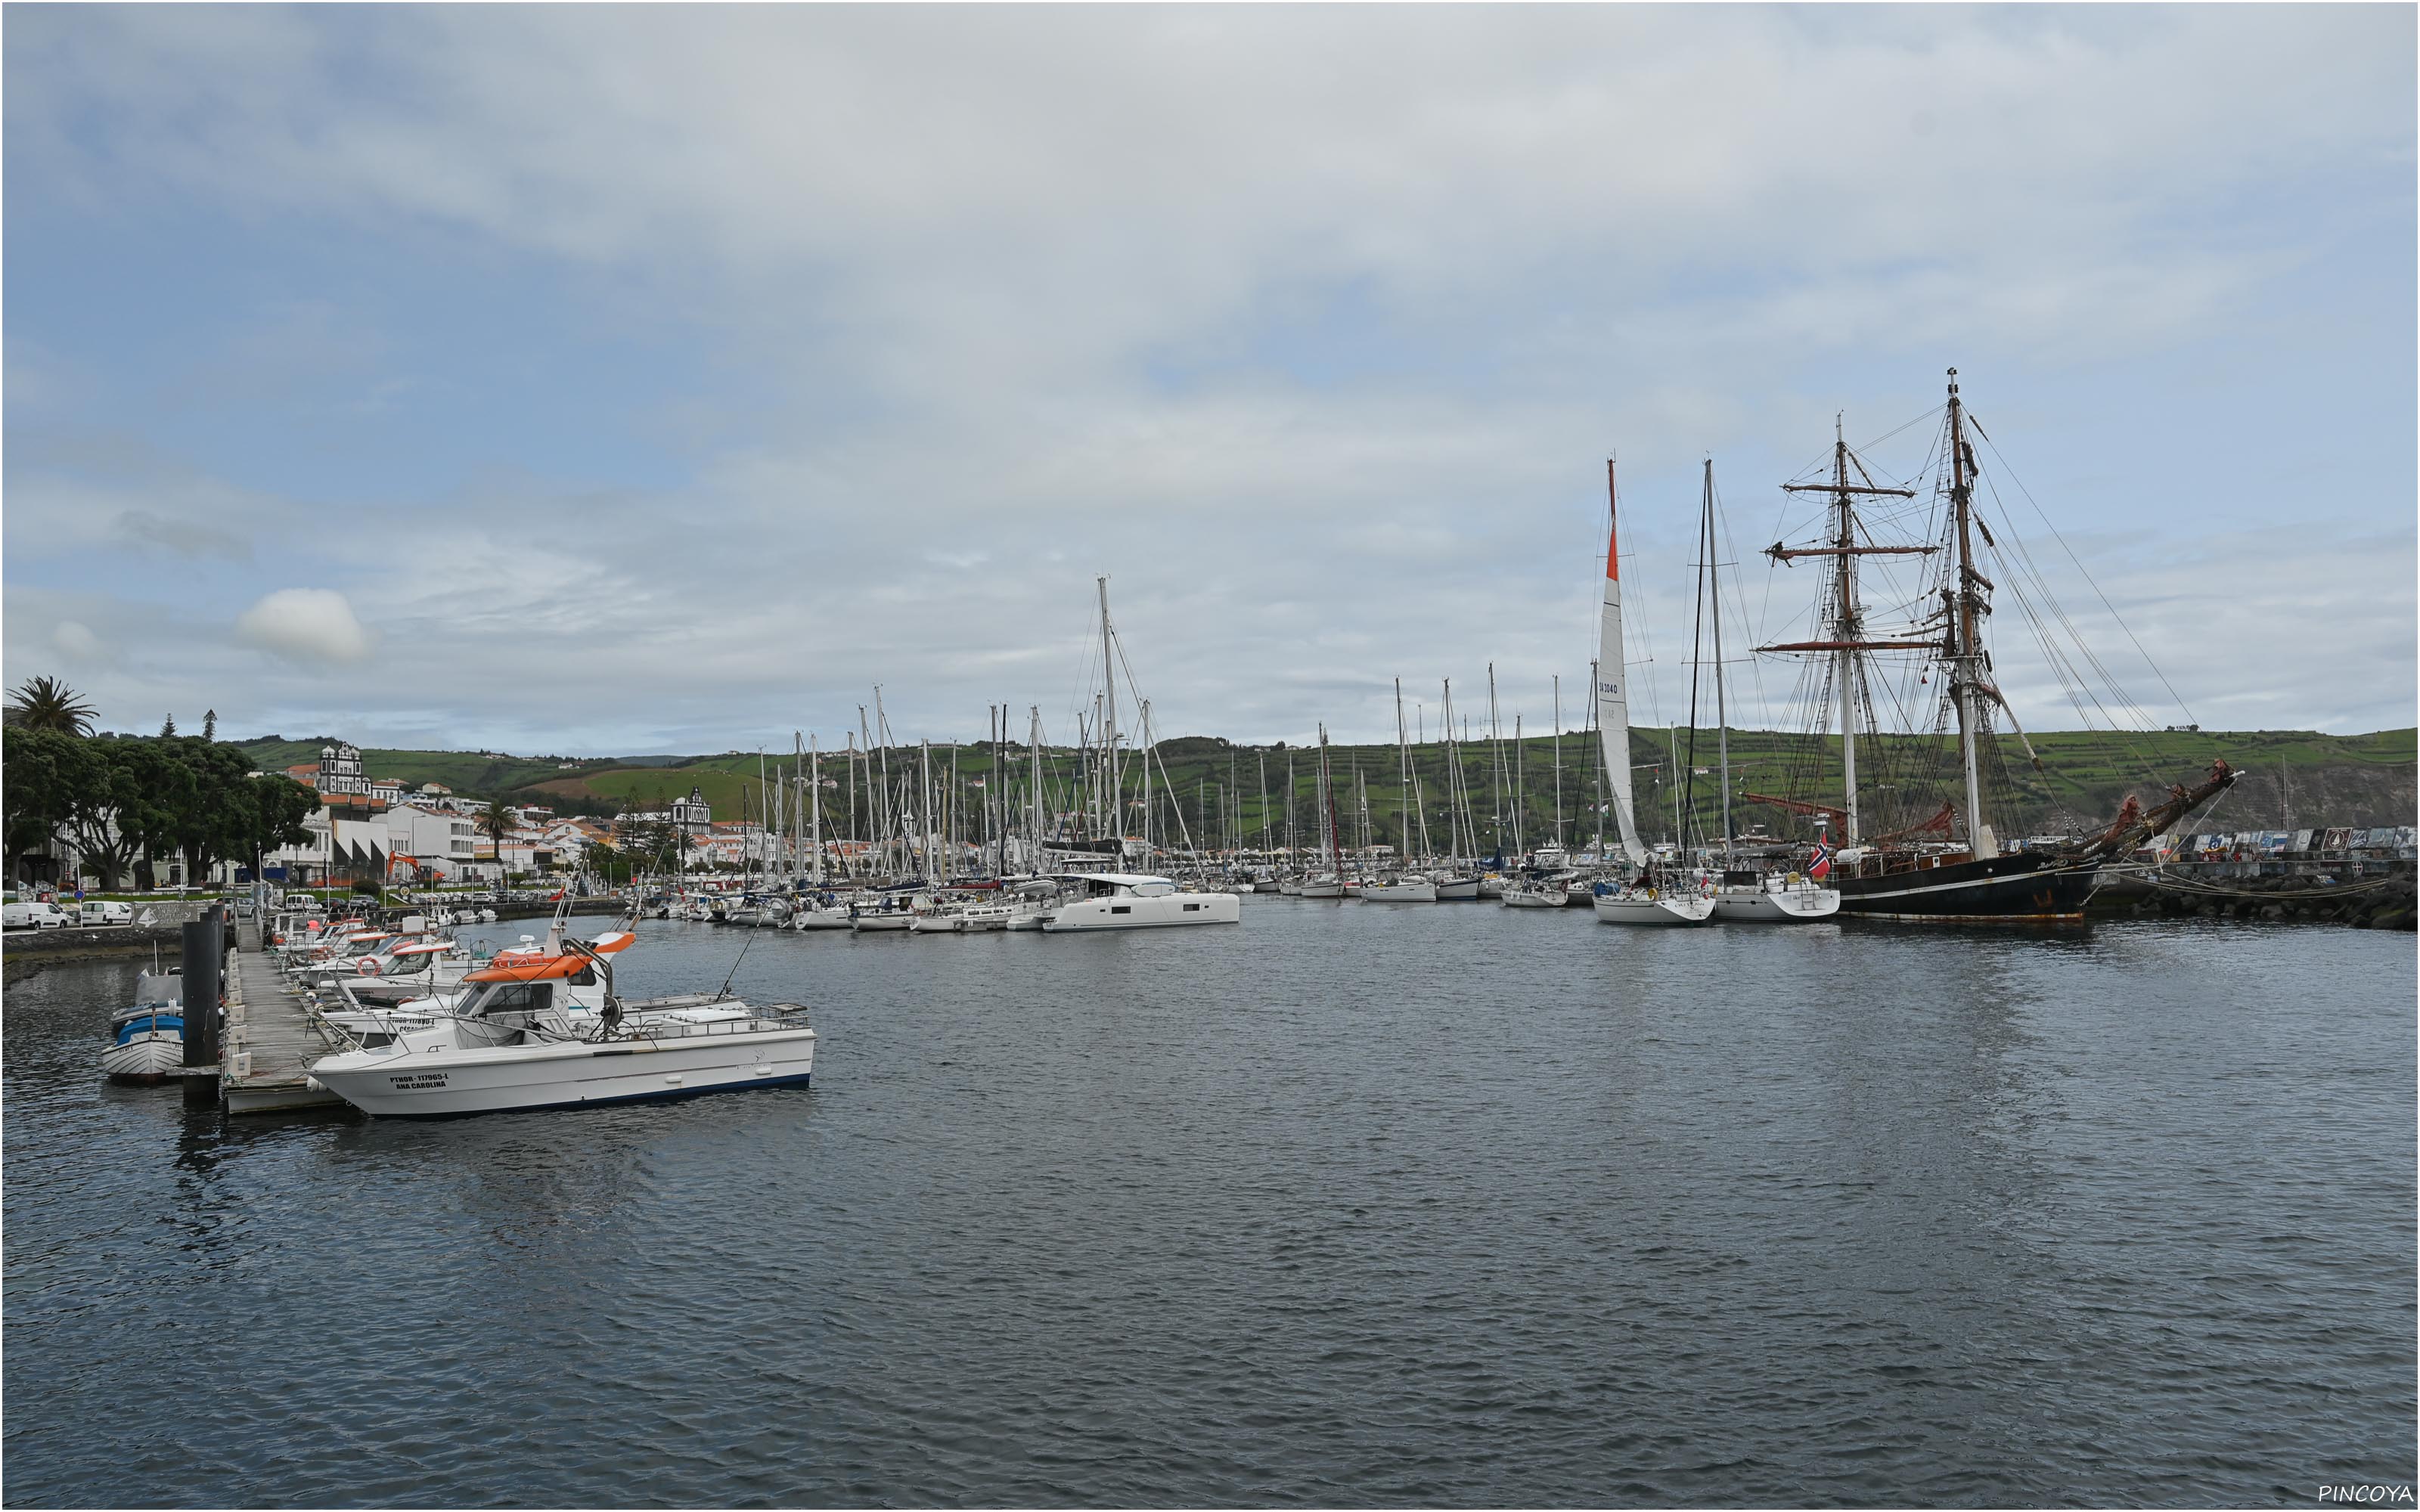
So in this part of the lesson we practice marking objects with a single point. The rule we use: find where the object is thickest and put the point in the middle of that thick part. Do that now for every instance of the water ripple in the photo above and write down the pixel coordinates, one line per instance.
(1346, 1207)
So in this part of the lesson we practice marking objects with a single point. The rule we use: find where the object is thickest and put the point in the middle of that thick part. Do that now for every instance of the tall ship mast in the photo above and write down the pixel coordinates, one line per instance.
(1951, 865)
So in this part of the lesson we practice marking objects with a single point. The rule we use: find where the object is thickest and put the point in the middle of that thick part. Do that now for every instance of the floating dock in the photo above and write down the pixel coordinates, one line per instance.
(270, 1038)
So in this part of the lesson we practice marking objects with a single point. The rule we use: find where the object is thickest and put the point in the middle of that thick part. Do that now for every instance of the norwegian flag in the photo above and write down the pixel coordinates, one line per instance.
(1819, 866)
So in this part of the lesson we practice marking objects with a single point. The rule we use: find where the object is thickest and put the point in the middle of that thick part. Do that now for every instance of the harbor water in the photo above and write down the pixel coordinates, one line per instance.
(1347, 1205)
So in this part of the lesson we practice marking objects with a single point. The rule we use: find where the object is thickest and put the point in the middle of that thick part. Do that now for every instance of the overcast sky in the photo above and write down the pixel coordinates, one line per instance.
(625, 380)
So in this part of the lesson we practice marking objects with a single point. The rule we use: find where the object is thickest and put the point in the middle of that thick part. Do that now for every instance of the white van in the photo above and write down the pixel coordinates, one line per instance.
(32, 915)
(103, 911)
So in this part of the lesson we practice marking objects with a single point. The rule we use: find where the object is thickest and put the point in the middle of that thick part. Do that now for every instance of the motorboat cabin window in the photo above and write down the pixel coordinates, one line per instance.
(501, 997)
(584, 976)
(1120, 908)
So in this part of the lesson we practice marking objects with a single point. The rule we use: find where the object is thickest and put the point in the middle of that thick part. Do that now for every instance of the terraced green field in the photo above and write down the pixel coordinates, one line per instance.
(2303, 776)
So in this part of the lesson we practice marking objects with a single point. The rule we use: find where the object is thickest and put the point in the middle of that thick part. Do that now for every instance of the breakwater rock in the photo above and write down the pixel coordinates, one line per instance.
(2365, 903)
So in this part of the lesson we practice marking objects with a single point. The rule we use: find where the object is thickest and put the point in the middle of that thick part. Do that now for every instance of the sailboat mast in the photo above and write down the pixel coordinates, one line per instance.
(1845, 669)
(1520, 789)
(1291, 857)
(1496, 758)
(1263, 832)
(882, 721)
(1110, 787)
(1714, 608)
(1328, 795)
(926, 801)
(1970, 654)
(1558, 760)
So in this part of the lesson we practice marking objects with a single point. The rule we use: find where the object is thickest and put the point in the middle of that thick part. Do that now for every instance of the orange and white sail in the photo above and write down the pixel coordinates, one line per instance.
(1613, 682)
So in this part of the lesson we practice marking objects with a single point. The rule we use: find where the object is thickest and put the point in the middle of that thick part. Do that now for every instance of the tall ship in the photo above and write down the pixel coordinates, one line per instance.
(1921, 556)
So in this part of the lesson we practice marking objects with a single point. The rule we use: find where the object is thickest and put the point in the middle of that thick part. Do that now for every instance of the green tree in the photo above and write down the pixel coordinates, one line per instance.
(135, 806)
(280, 804)
(168, 728)
(646, 843)
(50, 776)
(613, 866)
(230, 823)
(210, 724)
(47, 704)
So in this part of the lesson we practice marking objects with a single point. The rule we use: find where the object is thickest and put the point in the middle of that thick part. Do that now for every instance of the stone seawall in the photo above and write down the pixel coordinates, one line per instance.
(26, 951)
(2367, 903)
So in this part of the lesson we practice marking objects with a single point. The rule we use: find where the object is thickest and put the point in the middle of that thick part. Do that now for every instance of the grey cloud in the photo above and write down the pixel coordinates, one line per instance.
(953, 245)
(142, 529)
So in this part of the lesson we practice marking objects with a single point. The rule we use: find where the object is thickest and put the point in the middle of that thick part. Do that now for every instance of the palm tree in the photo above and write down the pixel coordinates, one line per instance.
(499, 822)
(47, 704)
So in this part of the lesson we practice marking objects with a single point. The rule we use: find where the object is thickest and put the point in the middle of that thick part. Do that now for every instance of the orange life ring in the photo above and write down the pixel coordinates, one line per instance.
(369, 966)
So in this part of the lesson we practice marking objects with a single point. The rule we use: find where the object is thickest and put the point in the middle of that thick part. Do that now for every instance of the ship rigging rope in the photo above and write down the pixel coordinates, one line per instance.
(2080, 568)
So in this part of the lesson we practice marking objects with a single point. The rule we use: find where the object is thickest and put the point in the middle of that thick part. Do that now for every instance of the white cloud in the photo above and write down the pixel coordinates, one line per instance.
(305, 624)
(77, 644)
(1310, 326)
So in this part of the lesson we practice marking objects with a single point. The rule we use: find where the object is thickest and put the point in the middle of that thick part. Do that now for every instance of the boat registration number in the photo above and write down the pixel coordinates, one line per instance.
(418, 1081)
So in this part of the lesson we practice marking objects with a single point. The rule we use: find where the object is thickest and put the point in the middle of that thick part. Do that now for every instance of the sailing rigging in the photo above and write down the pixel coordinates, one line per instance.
(1951, 865)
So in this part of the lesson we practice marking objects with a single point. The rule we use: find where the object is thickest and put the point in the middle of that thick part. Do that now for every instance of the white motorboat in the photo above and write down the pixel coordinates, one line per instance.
(961, 918)
(386, 1005)
(1452, 888)
(510, 1046)
(1534, 895)
(820, 916)
(1400, 891)
(338, 954)
(148, 1038)
(1776, 899)
(1654, 906)
(425, 958)
(1120, 900)
(1325, 884)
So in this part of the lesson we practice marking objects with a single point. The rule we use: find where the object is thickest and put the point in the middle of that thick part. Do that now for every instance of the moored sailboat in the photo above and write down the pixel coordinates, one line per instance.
(1639, 900)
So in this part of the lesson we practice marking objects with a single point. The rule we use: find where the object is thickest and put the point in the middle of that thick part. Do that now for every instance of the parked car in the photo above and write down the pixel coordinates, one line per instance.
(33, 916)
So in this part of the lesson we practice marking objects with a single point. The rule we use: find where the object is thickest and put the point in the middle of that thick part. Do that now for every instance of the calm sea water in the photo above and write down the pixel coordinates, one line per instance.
(1347, 1205)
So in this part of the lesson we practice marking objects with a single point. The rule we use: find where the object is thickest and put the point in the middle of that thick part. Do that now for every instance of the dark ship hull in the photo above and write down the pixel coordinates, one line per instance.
(2024, 888)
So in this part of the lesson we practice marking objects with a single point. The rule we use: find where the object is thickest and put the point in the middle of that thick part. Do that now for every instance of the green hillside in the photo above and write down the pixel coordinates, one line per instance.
(464, 771)
(2303, 775)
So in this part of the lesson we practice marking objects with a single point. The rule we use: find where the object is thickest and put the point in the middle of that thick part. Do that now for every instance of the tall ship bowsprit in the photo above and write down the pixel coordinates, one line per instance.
(1915, 834)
